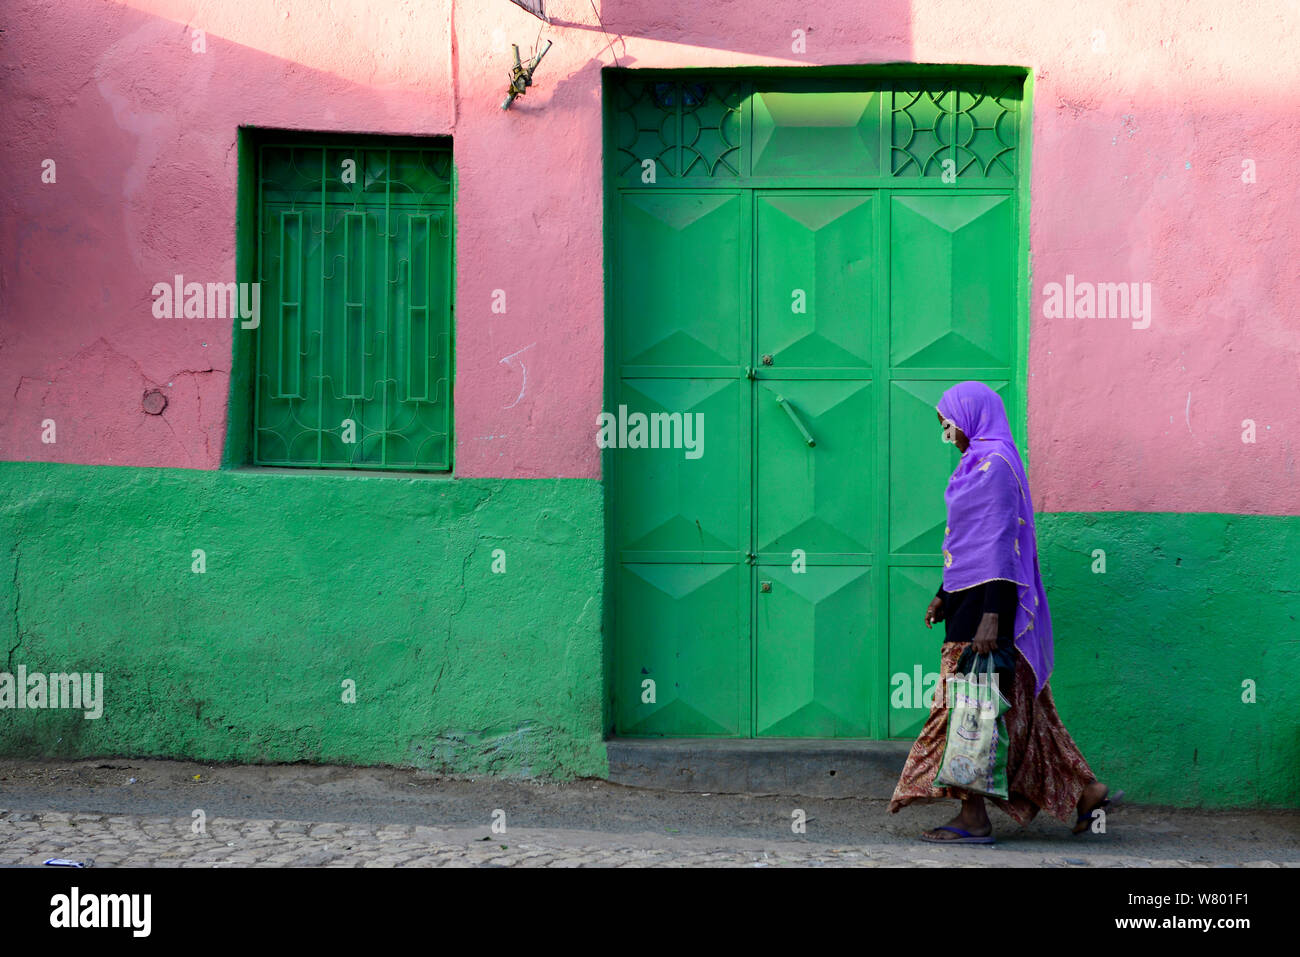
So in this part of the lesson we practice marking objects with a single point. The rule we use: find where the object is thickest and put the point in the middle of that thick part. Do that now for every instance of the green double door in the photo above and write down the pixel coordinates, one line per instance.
(771, 581)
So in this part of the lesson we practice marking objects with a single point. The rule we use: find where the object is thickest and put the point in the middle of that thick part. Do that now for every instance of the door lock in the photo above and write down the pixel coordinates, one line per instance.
(764, 586)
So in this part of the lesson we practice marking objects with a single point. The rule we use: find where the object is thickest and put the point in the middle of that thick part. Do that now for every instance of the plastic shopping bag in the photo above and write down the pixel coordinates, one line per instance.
(975, 754)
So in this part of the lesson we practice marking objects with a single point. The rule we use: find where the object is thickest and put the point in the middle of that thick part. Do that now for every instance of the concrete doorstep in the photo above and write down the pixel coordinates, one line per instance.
(793, 766)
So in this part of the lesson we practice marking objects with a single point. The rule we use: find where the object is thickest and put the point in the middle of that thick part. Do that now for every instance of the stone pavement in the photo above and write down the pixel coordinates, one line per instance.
(125, 840)
(147, 812)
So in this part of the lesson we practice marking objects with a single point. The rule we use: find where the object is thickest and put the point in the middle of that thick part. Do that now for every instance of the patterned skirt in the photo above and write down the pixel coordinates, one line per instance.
(1045, 770)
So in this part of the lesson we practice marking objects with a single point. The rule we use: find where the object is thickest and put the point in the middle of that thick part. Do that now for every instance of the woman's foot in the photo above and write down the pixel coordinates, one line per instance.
(1093, 797)
(977, 824)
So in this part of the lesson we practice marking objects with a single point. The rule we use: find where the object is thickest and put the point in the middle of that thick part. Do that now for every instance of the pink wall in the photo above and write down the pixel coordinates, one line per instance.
(1138, 149)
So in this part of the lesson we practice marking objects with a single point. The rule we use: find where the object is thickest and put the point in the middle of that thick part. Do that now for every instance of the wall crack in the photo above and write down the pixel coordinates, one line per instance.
(18, 597)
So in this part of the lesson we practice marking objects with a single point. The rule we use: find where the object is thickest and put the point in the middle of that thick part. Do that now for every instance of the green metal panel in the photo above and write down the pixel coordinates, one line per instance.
(814, 498)
(836, 123)
(815, 280)
(883, 214)
(913, 648)
(814, 460)
(354, 346)
(692, 509)
(952, 286)
(814, 652)
(681, 275)
(919, 466)
(683, 578)
(686, 629)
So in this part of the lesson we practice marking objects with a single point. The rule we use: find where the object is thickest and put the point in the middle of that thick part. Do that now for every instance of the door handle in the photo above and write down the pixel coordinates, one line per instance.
(794, 417)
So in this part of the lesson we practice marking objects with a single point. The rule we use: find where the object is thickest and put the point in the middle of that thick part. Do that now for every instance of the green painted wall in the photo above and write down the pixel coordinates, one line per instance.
(310, 579)
(1151, 655)
(387, 580)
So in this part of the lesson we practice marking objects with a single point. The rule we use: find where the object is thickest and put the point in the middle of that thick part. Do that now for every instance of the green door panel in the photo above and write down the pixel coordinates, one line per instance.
(816, 279)
(814, 652)
(686, 629)
(815, 128)
(697, 508)
(814, 498)
(952, 286)
(913, 649)
(683, 273)
(920, 464)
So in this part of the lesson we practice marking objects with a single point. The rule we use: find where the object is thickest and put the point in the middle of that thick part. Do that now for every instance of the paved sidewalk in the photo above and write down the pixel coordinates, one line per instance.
(135, 841)
(162, 813)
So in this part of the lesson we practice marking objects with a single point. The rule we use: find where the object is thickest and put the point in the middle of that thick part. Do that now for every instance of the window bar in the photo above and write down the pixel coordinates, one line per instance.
(441, 364)
(388, 257)
(289, 358)
(354, 332)
(956, 133)
(440, 273)
(417, 382)
(324, 321)
(680, 158)
(260, 273)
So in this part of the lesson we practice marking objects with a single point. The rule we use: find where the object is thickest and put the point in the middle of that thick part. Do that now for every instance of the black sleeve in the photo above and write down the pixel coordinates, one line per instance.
(989, 599)
(1000, 598)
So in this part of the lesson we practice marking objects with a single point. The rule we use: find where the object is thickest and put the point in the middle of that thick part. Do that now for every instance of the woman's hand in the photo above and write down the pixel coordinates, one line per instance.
(986, 636)
(934, 612)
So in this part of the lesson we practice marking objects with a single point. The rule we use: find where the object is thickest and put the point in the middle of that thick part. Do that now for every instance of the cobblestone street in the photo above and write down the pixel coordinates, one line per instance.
(134, 841)
(147, 813)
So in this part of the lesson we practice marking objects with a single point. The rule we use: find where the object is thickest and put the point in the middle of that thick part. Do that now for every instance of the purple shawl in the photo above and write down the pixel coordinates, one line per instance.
(990, 531)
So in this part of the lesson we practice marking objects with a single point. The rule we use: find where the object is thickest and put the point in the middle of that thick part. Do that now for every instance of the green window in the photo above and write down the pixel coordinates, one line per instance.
(352, 360)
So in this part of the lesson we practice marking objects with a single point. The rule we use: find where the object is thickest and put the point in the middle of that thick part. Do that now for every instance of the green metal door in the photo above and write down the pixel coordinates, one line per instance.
(810, 305)
(952, 283)
(814, 462)
(683, 575)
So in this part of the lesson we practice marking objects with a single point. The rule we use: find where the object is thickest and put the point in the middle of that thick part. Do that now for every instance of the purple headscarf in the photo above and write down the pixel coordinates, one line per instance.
(990, 533)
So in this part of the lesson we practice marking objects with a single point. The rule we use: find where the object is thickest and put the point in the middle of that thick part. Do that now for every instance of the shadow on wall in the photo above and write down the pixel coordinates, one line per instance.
(759, 30)
(139, 119)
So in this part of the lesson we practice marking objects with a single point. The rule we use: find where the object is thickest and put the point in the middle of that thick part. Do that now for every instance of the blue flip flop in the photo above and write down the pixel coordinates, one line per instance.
(1084, 824)
(963, 837)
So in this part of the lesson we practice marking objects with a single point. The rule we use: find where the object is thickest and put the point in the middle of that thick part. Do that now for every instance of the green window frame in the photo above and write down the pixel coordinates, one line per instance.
(352, 247)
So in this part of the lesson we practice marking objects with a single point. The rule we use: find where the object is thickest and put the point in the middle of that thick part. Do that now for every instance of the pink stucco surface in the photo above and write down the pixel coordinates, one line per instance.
(1139, 142)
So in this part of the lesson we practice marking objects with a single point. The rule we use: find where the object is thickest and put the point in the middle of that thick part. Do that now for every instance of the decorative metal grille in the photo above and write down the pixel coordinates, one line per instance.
(960, 129)
(973, 125)
(688, 128)
(353, 348)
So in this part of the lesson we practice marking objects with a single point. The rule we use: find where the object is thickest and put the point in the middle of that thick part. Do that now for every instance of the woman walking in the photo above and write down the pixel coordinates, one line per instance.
(992, 599)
